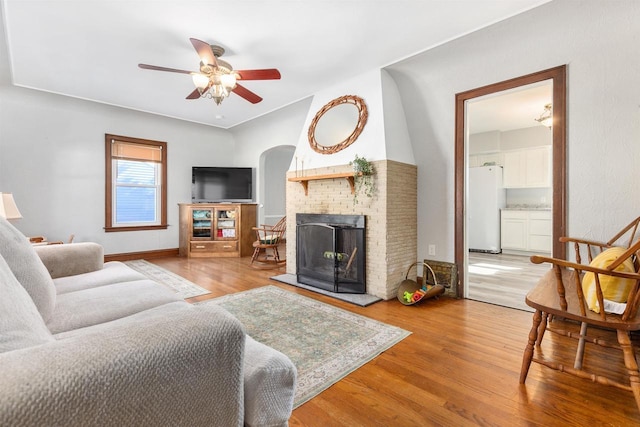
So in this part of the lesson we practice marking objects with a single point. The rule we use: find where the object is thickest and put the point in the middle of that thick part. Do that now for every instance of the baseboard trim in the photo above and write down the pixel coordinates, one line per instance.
(160, 253)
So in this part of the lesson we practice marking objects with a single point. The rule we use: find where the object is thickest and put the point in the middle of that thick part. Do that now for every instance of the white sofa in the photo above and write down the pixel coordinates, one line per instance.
(86, 343)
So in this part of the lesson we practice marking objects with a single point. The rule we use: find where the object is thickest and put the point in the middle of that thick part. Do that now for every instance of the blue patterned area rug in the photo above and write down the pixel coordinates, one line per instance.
(324, 342)
(181, 286)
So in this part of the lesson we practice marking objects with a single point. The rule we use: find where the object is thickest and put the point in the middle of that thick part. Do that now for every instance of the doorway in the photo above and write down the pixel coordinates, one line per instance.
(557, 78)
(274, 164)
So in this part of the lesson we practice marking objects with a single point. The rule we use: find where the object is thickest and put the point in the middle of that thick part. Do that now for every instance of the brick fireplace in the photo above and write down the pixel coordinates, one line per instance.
(391, 218)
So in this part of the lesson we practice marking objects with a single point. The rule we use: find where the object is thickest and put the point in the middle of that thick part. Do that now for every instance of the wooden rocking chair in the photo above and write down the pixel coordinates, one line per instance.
(265, 248)
(559, 293)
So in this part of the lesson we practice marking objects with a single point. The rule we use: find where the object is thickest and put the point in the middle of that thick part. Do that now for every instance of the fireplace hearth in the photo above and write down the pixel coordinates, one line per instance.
(330, 252)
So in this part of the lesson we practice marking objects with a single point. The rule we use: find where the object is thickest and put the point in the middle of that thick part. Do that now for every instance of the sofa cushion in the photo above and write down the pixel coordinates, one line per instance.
(162, 311)
(93, 306)
(20, 322)
(71, 259)
(180, 369)
(27, 268)
(112, 272)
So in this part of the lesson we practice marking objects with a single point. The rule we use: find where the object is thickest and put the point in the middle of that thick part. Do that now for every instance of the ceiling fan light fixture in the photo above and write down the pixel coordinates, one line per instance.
(228, 80)
(546, 118)
(218, 93)
(217, 85)
(200, 80)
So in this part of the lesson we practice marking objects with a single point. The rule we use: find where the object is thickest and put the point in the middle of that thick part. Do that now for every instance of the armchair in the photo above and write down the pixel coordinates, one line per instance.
(579, 292)
(265, 247)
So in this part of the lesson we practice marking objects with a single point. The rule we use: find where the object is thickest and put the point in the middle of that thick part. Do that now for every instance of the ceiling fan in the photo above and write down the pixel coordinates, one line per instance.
(217, 78)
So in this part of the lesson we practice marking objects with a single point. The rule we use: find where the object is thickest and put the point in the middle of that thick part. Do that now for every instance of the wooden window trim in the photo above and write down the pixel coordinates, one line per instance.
(109, 227)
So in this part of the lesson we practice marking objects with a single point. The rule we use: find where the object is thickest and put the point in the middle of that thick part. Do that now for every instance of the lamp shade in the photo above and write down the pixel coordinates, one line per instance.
(200, 80)
(8, 208)
(228, 81)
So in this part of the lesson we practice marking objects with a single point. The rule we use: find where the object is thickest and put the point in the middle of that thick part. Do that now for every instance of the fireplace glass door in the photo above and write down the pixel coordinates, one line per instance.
(331, 256)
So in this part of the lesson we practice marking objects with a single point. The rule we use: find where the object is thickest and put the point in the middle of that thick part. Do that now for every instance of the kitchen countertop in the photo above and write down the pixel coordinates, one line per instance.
(527, 208)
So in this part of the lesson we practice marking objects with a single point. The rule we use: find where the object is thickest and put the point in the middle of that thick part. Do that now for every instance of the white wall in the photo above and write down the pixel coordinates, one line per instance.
(279, 128)
(484, 142)
(52, 160)
(396, 134)
(518, 139)
(598, 41)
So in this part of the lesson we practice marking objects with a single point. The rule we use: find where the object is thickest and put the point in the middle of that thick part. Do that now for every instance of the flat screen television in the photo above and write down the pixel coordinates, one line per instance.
(221, 184)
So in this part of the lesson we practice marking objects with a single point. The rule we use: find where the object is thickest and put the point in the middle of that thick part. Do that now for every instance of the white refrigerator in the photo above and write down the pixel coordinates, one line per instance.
(485, 198)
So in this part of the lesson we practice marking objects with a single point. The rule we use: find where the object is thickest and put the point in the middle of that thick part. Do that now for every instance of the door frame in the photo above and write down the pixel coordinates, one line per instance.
(558, 77)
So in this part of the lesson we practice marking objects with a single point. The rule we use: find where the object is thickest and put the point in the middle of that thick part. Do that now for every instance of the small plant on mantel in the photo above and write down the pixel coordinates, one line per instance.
(363, 177)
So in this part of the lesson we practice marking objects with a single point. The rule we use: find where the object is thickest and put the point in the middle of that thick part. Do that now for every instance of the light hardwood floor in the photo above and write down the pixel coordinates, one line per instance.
(502, 279)
(459, 367)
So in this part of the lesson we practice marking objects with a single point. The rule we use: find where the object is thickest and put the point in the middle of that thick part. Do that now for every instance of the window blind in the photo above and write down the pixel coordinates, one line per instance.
(132, 151)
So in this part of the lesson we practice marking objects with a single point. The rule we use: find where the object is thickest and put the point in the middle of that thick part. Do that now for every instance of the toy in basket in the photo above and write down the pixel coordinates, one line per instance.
(410, 292)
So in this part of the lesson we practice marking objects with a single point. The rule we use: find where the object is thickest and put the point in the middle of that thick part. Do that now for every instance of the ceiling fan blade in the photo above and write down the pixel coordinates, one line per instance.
(194, 95)
(204, 52)
(265, 74)
(171, 70)
(246, 94)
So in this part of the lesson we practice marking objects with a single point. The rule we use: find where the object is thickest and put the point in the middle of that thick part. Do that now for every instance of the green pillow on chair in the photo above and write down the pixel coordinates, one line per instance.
(269, 240)
(613, 288)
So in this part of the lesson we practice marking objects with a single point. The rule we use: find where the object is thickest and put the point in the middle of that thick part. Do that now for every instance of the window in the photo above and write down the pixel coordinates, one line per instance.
(136, 191)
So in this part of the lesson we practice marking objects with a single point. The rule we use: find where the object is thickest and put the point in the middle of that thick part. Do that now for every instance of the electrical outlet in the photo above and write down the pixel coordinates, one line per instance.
(432, 249)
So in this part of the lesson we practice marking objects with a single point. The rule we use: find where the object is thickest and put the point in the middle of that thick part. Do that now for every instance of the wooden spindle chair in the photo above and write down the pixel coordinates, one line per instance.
(589, 249)
(559, 294)
(265, 247)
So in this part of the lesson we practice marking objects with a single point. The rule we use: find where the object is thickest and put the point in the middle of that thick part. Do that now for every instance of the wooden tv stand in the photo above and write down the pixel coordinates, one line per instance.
(217, 229)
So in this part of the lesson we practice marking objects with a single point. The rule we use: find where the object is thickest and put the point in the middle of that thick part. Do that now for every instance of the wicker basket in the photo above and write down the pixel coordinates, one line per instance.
(411, 286)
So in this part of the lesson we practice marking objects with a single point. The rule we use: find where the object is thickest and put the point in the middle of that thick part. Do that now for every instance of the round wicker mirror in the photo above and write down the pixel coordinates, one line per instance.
(338, 124)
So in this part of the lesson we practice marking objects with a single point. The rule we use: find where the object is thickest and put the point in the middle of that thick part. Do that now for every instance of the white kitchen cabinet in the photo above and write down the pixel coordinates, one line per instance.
(513, 173)
(529, 168)
(538, 167)
(540, 231)
(526, 230)
(513, 230)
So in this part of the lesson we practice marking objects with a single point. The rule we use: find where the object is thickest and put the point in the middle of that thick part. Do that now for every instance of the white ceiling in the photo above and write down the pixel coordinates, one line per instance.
(90, 49)
(510, 109)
